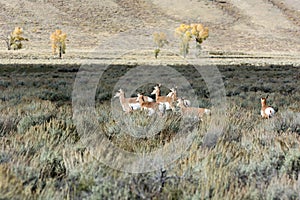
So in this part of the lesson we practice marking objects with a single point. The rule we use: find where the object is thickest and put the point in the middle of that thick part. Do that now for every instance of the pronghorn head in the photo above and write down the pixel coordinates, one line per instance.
(180, 102)
(156, 90)
(172, 94)
(138, 97)
(173, 90)
(119, 93)
(264, 100)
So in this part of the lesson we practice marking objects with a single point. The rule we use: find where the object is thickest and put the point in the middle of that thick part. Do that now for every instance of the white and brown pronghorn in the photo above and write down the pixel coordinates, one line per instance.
(151, 107)
(167, 101)
(173, 94)
(266, 111)
(194, 112)
(129, 104)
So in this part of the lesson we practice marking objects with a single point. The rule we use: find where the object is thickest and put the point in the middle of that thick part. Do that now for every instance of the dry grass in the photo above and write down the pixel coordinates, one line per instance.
(42, 157)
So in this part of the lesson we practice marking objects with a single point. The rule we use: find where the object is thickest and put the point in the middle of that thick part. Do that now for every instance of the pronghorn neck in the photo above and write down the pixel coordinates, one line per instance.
(157, 95)
(141, 98)
(122, 97)
(181, 104)
(157, 89)
(174, 96)
(156, 92)
(173, 93)
(123, 101)
(264, 103)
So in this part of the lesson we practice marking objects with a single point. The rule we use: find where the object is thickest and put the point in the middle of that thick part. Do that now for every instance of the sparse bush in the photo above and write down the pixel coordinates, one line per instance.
(160, 39)
(8, 124)
(283, 188)
(30, 120)
(285, 122)
(11, 186)
(54, 95)
(58, 39)
(291, 165)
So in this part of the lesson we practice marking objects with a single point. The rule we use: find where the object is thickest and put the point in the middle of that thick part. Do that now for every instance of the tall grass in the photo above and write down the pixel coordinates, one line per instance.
(254, 158)
(42, 155)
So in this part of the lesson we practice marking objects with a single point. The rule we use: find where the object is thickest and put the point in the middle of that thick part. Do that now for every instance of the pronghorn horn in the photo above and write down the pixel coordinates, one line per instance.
(267, 96)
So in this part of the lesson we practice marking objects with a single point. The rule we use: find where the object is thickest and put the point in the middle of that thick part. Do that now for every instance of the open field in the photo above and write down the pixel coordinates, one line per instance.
(42, 155)
(64, 136)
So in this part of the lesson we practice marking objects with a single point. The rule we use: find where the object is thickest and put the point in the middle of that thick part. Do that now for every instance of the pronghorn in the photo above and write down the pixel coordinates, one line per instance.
(151, 107)
(164, 100)
(197, 113)
(128, 104)
(173, 94)
(266, 111)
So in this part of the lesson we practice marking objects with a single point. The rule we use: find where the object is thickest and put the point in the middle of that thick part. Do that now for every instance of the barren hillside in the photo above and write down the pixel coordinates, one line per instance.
(235, 25)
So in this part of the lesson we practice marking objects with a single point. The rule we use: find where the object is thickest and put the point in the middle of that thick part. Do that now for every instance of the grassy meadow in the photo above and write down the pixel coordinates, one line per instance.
(42, 156)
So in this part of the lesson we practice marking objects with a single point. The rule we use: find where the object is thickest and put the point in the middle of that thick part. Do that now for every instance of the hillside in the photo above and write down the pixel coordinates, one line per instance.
(235, 26)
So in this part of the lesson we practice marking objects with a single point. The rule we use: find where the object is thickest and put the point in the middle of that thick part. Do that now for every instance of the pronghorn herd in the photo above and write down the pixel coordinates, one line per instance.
(168, 102)
(161, 103)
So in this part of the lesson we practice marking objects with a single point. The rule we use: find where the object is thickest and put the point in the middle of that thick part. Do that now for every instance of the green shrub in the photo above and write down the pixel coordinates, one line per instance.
(31, 120)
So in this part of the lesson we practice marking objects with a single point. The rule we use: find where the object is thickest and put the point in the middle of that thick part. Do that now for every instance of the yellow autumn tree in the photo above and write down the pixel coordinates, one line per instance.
(200, 32)
(58, 39)
(15, 38)
(187, 32)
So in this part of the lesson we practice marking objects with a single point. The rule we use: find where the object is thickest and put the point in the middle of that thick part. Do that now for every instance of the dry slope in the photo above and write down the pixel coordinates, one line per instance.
(243, 26)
